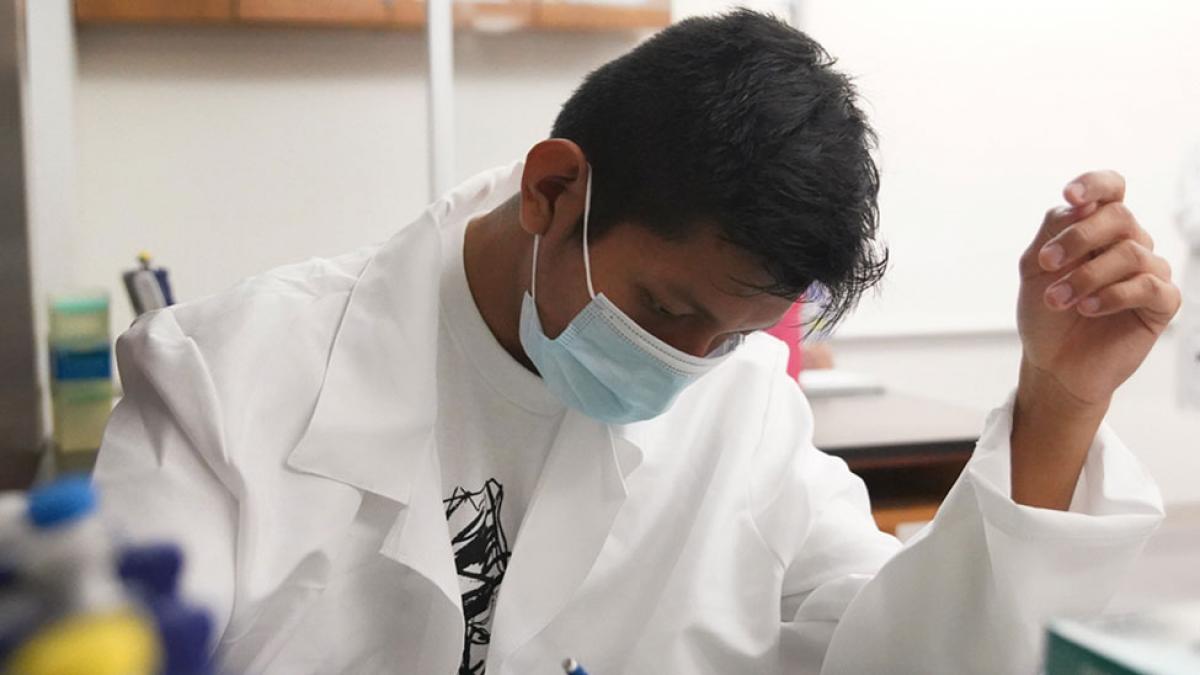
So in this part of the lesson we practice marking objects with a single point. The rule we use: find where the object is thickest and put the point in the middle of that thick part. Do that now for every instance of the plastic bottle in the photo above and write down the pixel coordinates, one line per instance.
(80, 377)
(87, 626)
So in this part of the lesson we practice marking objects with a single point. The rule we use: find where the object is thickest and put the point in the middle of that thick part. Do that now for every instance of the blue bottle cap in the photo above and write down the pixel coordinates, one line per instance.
(153, 568)
(185, 632)
(63, 501)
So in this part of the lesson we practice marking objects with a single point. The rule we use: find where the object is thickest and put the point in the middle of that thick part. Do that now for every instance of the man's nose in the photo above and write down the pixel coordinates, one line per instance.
(700, 344)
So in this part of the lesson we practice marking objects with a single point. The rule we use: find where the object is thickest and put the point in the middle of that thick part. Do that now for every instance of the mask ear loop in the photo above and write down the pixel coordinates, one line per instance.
(533, 279)
(587, 210)
(587, 263)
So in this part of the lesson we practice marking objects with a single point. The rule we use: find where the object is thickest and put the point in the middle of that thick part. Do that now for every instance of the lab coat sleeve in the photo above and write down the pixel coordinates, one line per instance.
(160, 468)
(972, 592)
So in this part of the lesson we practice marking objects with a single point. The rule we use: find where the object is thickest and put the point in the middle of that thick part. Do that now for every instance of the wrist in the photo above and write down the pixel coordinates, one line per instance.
(1051, 434)
(1041, 394)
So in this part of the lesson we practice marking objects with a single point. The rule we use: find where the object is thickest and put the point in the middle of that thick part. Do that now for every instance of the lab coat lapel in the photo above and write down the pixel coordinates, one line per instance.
(419, 540)
(580, 491)
(374, 422)
(374, 417)
(373, 425)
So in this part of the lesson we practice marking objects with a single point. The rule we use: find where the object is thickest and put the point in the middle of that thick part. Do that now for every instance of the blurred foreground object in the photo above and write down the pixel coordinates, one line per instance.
(1165, 642)
(791, 331)
(804, 351)
(73, 604)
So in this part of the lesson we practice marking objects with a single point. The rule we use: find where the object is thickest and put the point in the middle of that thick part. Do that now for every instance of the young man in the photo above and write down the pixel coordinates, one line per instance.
(527, 426)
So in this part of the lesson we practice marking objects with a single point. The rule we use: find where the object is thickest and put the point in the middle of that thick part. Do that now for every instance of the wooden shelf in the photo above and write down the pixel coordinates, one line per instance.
(378, 14)
(492, 16)
(154, 11)
(342, 12)
(567, 16)
(402, 14)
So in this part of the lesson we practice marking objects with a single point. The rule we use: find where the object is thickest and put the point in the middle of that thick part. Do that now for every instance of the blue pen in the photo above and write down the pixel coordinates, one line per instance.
(572, 667)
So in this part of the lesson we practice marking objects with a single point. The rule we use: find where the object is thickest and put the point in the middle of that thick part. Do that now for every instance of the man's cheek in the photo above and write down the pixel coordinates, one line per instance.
(556, 311)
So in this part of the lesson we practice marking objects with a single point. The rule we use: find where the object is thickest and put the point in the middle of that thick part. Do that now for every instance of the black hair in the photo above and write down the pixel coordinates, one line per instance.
(738, 121)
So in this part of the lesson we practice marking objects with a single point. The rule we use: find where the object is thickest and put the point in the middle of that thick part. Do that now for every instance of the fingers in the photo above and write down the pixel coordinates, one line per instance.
(1055, 221)
(1109, 224)
(1085, 195)
(1095, 186)
(1122, 261)
(1107, 260)
(1150, 295)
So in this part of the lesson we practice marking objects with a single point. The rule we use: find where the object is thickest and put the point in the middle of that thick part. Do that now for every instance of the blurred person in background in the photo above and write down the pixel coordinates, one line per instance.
(1188, 219)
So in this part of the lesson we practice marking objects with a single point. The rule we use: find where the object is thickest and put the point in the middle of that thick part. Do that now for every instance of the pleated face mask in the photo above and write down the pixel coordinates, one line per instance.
(604, 364)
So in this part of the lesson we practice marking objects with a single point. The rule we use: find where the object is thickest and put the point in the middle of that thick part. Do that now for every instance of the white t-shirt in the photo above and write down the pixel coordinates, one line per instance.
(496, 423)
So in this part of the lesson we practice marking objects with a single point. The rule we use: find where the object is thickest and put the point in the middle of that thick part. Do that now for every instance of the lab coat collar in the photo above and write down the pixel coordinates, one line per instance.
(375, 415)
(373, 421)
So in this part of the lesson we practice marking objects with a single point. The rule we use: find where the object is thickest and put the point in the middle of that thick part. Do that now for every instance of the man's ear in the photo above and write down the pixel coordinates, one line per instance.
(553, 186)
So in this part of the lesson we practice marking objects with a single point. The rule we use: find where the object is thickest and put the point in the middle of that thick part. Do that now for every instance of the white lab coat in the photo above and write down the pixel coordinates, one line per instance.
(1188, 219)
(283, 432)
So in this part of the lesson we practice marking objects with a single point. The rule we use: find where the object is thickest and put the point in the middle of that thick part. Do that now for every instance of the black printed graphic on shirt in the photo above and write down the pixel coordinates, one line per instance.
(481, 555)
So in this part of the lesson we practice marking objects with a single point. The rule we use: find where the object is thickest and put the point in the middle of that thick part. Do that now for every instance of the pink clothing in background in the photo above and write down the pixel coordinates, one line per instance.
(791, 331)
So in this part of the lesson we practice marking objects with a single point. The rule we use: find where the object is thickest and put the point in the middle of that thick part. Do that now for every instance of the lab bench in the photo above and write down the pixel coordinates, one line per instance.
(908, 449)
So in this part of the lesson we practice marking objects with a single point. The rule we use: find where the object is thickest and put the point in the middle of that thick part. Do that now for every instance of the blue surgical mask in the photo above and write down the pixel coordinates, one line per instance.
(604, 364)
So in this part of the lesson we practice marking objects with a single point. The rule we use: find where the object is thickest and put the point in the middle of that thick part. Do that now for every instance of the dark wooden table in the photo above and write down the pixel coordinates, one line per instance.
(908, 449)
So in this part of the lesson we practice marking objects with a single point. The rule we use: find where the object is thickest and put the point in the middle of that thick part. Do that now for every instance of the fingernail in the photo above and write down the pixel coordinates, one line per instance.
(1076, 190)
(1090, 305)
(1059, 293)
(1053, 254)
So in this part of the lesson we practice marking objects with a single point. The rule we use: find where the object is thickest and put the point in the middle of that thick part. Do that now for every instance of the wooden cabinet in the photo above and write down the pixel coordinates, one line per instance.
(487, 14)
(553, 15)
(379, 13)
(153, 11)
(493, 15)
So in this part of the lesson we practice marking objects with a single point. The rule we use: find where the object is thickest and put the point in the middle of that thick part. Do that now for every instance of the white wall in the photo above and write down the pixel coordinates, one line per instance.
(985, 110)
(227, 151)
(297, 143)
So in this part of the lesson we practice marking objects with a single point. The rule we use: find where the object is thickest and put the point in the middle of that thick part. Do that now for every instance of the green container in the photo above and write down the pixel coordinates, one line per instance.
(81, 387)
(79, 321)
(81, 409)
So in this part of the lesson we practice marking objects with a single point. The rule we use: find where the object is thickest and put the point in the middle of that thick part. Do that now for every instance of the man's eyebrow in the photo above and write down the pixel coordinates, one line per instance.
(686, 296)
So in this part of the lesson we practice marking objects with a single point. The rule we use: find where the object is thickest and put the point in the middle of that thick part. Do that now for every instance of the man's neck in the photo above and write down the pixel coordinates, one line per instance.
(496, 256)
